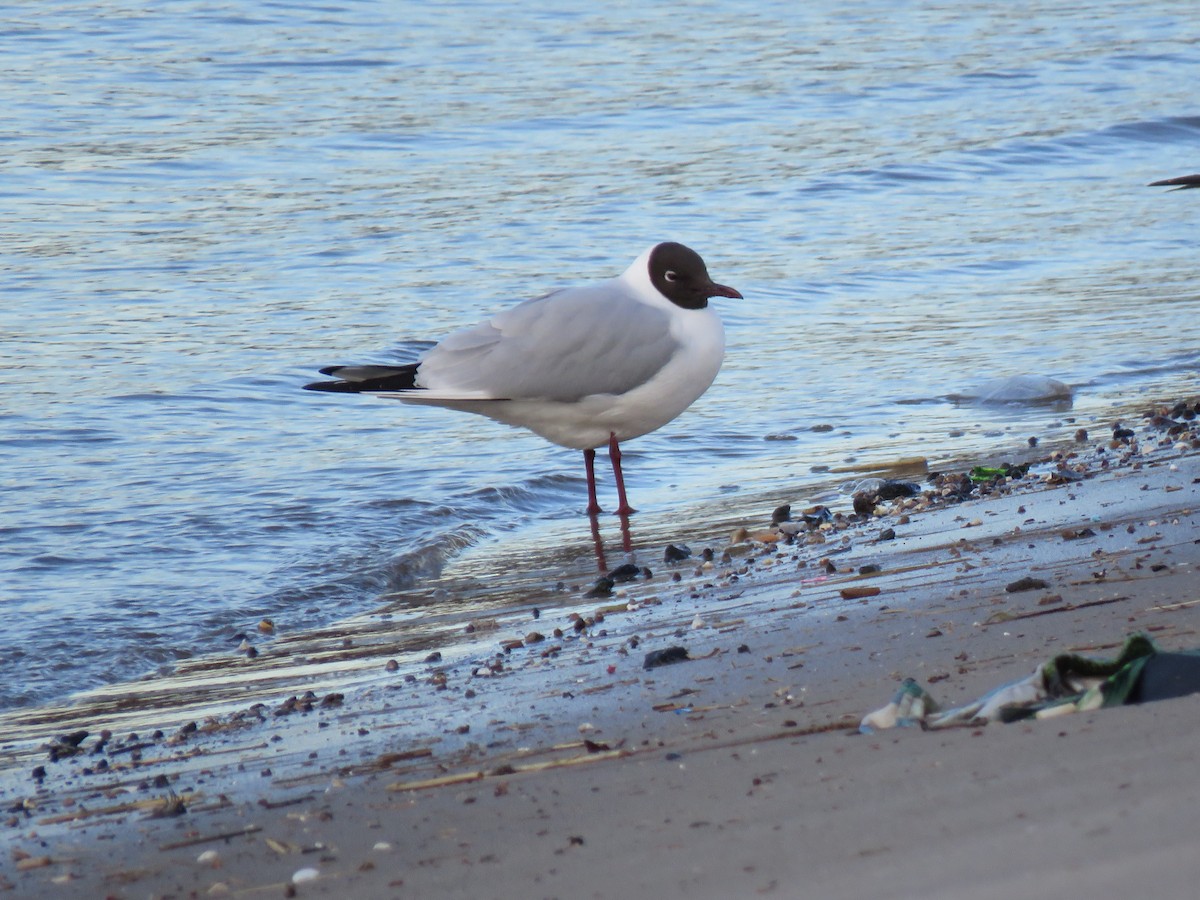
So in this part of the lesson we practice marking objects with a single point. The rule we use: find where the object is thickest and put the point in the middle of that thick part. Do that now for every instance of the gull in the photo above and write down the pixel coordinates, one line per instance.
(583, 367)
(1183, 182)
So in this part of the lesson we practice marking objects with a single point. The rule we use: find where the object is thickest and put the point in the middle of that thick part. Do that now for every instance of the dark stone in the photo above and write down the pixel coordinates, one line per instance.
(665, 657)
(74, 739)
(676, 552)
(817, 515)
(627, 572)
(892, 490)
(602, 588)
(1026, 584)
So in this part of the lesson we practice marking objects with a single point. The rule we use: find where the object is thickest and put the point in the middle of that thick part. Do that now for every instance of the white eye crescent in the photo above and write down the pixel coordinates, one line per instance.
(670, 275)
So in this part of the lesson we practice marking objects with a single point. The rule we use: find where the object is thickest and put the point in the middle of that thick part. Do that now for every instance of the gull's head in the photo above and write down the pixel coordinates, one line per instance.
(679, 274)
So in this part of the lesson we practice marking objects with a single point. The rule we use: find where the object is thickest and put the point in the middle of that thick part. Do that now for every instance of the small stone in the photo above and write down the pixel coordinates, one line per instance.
(602, 588)
(817, 515)
(665, 657)
(676, 553)
(1026, 584)
(300, 876)
(892, 490)
(857, 592)
(74, 739)
(621, 574)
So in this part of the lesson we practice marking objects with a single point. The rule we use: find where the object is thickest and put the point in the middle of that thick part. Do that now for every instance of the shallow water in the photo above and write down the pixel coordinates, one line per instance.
(204, 204)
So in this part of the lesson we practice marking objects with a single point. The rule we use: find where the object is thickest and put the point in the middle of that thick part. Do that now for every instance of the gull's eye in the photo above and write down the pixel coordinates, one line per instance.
(670, 275)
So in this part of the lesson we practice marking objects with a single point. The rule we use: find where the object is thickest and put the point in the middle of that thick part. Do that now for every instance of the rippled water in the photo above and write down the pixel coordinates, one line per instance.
(205, 202)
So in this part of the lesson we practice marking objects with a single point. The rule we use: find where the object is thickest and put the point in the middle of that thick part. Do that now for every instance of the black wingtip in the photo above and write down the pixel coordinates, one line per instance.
(339, 387)
(367, 379)
(1181, 183)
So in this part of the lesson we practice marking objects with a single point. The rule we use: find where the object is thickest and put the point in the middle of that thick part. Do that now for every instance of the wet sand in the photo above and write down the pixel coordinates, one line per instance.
(561, 767)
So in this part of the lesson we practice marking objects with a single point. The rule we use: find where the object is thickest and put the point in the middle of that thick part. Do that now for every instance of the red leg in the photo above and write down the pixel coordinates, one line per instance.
(614, 456)
(589, 462)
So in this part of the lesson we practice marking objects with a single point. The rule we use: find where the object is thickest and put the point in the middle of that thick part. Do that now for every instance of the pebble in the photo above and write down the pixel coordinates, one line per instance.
(602, 588)
(1026, 584)
(621, 574)
(859, 591)
(300, 876)
(665, 657)
(209, 858)
(676, 553)
(892, 490)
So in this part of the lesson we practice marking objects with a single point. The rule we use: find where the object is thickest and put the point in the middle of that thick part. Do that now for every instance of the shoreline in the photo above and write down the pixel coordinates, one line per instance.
(541, 769)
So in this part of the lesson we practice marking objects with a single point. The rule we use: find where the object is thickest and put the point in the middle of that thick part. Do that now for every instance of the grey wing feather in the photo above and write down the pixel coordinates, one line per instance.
(563, 346)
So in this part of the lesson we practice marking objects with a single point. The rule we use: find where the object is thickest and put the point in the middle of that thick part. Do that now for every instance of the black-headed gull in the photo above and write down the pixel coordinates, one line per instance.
(582, 366)
(1181, 183)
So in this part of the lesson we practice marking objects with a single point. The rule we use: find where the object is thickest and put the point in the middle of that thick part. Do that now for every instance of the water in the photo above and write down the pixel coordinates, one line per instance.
(205, 202)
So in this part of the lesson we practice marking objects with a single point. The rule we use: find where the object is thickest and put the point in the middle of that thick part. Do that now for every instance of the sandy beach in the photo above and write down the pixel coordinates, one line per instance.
(540, 757)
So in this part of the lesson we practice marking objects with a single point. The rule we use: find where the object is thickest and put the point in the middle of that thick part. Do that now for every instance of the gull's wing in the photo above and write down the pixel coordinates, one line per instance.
(564, 346)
